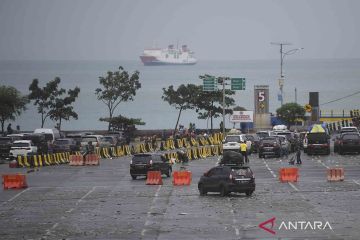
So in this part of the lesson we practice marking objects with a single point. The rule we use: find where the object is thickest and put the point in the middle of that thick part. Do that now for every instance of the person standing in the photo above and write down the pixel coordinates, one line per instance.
(9, 129)
(243, 151)
(298, 154)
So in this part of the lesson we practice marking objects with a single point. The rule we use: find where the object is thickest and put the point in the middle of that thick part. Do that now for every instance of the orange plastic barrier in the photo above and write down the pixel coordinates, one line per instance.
(14, 181)
(335, 174)
(92, 159)
(182, 178)
(76, 160)
(288, 174)
(154, 178)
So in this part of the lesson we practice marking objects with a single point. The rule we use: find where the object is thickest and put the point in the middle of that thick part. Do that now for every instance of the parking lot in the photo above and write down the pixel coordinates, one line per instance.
(103, 202)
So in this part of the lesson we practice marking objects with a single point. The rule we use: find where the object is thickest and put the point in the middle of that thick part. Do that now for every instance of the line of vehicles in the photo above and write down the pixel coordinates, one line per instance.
(47, 141)
(280, 141)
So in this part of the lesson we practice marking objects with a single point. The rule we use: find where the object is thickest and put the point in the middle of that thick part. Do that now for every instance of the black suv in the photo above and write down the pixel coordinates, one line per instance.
(318, 143)
(349, 142)
(270, 146)
(144, 162)
(226, 179)
(5, 145)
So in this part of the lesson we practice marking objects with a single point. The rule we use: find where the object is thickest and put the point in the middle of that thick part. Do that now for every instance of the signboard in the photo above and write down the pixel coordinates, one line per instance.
(238, 84)
(209, 84)
(242, 116)
(261, 99)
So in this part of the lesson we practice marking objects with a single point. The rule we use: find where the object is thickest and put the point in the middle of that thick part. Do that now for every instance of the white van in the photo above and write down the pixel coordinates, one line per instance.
(51, 134)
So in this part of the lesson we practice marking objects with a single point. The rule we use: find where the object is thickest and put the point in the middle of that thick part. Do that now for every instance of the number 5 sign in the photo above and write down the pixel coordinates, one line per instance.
(261, 95)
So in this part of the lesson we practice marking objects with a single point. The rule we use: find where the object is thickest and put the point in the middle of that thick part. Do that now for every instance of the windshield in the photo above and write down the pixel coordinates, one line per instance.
(262, 134)
(232, 139)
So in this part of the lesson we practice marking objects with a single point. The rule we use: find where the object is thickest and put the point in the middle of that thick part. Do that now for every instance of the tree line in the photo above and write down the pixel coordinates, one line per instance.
(116, 87)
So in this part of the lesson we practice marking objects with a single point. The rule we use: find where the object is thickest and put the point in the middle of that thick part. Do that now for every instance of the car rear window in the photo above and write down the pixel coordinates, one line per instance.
(89, 139)
(21, 144)
(271, 141)
(351, 137)
(242, 172)
(317, 138)
(5, 140)
(62, 142)
(232, 139)
(141, 158)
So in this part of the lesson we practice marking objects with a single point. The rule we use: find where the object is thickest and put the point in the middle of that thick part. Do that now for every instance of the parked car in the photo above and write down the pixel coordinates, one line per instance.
(291, 138)
(140, 164)
(108, 141)
(120, 137)
(349, 129)
(39, 140)
(232, 143)
(51, 134)
(270, 146)
(23, 148)
(5, 146)
(64, 145)
(94, 139)
(77, 137)
(285, 144)
(225, 179)
(254, 139)
(349, 142)
(318, 143)
(263, 134)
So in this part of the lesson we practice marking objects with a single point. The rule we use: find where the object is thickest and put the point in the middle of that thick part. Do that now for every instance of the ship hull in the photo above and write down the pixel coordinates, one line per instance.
(153, 61)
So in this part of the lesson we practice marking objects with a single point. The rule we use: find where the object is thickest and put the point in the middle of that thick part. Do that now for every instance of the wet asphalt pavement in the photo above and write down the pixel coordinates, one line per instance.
(102, 202)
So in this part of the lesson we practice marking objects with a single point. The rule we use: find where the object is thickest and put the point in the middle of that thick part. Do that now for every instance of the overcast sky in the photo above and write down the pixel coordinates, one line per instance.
(216, 29)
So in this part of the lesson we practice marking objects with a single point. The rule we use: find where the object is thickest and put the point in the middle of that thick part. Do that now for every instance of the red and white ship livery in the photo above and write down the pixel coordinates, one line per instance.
(168, 56)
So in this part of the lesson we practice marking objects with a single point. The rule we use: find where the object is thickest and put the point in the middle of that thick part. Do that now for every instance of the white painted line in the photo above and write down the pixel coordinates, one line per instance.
(271, 171)
(70, 211)
(356, 182)
(237, 232)
(324, 165)
(148, 222)
(293, 186)
(17, 195)
(87, 194)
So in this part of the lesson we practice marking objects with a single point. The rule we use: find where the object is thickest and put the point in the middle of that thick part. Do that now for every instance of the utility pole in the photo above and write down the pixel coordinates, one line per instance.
(282, 56)
(295, 95)
(223, 104)
(281, 79)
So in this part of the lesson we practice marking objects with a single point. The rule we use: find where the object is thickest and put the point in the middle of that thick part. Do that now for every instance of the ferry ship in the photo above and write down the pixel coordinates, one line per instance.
(168, 56)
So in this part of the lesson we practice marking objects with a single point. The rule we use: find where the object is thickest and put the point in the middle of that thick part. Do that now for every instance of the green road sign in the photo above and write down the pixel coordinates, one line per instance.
(238, 84)
(209, 84)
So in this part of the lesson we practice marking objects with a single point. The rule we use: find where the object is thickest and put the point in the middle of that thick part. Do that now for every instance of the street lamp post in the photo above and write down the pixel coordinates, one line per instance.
(282, 56)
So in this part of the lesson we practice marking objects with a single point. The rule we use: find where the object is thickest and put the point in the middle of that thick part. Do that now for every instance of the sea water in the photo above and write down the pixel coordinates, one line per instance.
(332, 78)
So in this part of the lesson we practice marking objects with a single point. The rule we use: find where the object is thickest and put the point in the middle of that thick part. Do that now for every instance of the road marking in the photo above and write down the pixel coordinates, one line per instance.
(149, 213)
(356, 182)
(271, 171)
(237, 232)
(87, 194)
(16, 196)
(324, 165)
(293, 186)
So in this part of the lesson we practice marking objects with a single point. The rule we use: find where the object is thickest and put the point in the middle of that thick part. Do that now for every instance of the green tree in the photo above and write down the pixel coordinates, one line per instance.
(12, 103)
(44, 97)
(182, 98)
(209, 104)
(118, 87)
(120, 122)
(61, 107)
(289, 112)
